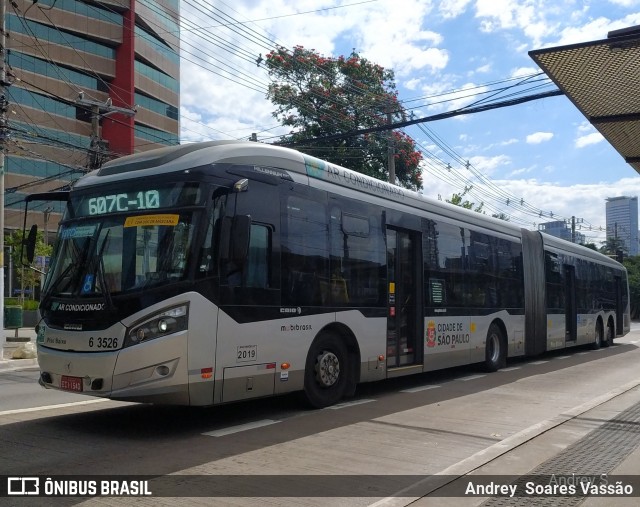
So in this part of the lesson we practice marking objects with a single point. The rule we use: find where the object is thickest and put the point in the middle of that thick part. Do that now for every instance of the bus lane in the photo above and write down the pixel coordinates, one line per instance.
(405, 430)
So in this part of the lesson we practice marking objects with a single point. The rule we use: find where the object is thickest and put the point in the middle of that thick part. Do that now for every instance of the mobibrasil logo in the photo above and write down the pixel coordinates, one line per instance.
(76, 307)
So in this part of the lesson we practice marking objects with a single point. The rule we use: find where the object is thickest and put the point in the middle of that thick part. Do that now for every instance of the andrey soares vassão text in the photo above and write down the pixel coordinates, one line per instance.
(554, 486)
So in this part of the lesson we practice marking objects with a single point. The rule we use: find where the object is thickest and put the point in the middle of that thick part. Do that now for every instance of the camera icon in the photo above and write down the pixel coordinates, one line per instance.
(23, 486)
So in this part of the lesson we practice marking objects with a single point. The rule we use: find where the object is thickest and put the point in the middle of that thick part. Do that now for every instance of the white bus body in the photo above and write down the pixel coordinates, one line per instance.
(216, 272)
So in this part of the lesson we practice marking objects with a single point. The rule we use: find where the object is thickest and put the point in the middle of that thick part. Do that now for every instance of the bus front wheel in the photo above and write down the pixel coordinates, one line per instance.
(325, 375)
(495, 349)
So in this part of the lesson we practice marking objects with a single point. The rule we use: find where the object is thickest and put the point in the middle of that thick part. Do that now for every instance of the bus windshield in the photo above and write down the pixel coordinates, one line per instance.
(97, 257)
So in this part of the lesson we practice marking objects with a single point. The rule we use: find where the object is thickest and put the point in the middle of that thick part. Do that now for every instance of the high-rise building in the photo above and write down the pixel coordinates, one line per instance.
(560, 229)
(76, 70)
(622, 222)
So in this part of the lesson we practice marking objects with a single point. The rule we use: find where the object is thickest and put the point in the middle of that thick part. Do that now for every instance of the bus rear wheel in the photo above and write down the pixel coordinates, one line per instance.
(599, 339)
(608, 339)
(326, 375)
(495, 349)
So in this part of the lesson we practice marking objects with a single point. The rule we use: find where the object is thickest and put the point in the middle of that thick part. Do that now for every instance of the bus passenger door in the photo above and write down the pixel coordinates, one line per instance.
(571, 314)
(404, 347)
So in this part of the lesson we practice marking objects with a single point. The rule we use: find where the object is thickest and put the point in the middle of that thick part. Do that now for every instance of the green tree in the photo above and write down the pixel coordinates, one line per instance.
(612, 245)
(457, 200)
(26, 278)
(320, 96)
(466, 204)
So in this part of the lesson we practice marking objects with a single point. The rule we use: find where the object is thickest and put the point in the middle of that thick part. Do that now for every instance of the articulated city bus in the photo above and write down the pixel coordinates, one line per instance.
(222, 271)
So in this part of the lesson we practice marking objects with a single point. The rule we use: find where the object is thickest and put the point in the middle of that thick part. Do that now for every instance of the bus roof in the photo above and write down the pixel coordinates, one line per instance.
(187, 156)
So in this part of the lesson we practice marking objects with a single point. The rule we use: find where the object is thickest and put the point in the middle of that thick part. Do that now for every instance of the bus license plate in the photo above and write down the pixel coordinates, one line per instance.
(71, 383)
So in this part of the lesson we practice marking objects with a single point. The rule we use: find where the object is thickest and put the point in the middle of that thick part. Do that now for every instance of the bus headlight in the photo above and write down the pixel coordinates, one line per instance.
(166, 322)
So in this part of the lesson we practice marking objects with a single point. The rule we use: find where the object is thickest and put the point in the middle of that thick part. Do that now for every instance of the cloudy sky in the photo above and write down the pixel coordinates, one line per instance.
(535, 162)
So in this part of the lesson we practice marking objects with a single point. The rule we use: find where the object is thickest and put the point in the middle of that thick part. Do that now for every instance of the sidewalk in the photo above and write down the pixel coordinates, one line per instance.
(600, 437)
(11, 343)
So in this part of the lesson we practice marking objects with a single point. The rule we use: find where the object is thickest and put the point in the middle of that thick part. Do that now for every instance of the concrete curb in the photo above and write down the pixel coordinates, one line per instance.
(17, 364)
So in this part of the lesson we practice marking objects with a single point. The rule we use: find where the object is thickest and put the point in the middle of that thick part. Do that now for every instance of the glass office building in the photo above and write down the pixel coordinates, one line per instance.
(561, 229)
(622, 222)
(67, 60)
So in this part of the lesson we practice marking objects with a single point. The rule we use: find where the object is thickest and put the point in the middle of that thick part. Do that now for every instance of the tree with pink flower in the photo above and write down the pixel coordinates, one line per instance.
(318, 96)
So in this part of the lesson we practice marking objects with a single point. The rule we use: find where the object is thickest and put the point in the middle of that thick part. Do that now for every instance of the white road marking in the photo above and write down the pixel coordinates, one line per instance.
(472, 377)
(240, 427)
(348, 404)
(52, 407)
(563, 357)
(418, 389)
(539, 362)
(511, 369)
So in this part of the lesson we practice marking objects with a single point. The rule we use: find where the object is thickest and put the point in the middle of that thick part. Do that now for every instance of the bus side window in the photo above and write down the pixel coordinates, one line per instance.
(358, 258)
(305, 252)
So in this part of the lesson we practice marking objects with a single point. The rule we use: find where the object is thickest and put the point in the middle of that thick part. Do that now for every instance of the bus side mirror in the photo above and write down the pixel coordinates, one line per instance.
(29, 244)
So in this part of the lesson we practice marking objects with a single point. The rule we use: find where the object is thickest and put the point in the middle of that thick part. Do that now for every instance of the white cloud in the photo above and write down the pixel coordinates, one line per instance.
(539, 137)
(585, 126)
(625, 3)
(412, 84)
(593, 138)
(461, 97)
(524, 71)
(586, 201)
(488, 164)
(453, 8)
(593, 30)
(530, 17)
(392, 35)
(519, 172)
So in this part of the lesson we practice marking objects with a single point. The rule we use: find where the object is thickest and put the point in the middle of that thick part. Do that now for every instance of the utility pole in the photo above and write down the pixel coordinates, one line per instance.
(99, 146)
(575, 221)
(391, 160)
(3, 138)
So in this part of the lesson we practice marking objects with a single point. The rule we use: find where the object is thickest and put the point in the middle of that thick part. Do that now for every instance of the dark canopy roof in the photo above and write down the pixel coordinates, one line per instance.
(602, 79)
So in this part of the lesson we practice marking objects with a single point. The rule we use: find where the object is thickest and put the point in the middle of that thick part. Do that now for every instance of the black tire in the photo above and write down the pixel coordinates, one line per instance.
(599, 339)
(608, 338)
(495, 349)
(326, 371)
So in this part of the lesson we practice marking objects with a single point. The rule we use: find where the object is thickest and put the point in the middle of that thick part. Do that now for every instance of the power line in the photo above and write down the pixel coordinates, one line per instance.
(440, 116)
